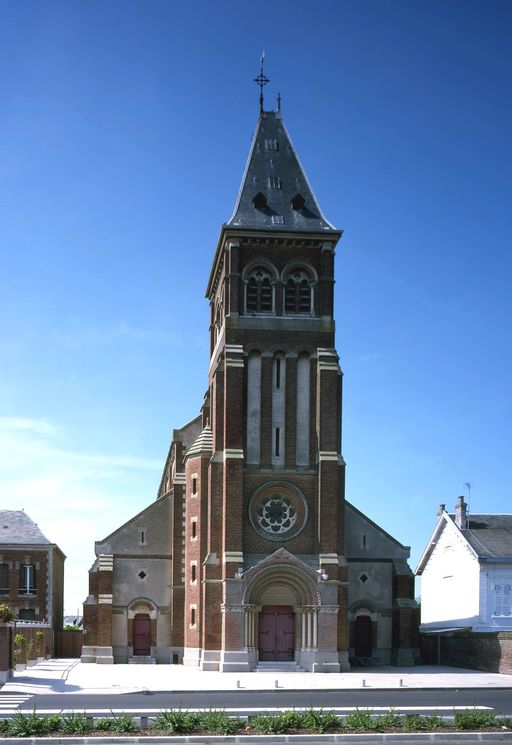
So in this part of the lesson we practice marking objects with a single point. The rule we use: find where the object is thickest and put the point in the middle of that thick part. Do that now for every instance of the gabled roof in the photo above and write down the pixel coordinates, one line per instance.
(275, 192)
(17, 527)
(489, 535)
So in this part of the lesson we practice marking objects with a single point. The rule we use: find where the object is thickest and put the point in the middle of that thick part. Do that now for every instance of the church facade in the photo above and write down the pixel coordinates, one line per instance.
(250, 556)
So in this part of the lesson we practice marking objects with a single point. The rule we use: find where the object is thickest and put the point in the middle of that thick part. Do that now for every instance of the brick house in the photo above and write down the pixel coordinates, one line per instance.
(31, 570)
(466, 589)
(250, 554)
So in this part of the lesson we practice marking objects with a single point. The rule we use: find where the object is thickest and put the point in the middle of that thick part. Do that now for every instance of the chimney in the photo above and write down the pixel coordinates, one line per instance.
(460, 514)
(442, 508)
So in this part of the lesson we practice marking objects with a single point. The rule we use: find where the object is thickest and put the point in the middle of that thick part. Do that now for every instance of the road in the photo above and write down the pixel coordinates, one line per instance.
(243, 703)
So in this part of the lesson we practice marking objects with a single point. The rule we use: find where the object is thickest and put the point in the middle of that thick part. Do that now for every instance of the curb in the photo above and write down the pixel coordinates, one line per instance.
(419, 737)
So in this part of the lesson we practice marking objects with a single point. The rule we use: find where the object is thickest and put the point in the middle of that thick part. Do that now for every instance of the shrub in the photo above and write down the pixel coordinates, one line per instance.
(471, 719)
(121, 723)
(321, 721)
(269, 724)
(389, 719)
(30, 725)
(219, 723)
(40, 642)
(76, 724)
(6, 613)
(177, 721)
(360, 719)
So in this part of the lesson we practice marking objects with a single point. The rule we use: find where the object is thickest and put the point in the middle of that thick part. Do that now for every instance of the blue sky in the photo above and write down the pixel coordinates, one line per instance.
(124, 132)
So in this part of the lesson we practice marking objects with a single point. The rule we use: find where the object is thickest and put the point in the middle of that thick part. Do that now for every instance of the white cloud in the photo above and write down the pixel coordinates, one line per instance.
(40, 426)
(75, 497)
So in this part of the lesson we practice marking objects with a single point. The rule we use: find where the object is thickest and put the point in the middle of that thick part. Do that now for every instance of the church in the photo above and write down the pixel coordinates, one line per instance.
(250, 558)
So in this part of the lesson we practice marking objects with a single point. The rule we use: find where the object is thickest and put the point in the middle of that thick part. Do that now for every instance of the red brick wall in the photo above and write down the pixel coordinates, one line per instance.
(491, 652)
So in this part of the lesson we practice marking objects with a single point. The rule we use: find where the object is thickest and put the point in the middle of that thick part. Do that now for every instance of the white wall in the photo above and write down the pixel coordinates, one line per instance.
(450, 583)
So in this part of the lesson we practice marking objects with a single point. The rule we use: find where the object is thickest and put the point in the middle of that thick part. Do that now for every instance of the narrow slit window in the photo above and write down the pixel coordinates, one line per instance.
(364, 540)
(277, 442)
(192, 616)
(193, 570)
(142, 536)
(278, 373)
(194, 528)
(194, 485)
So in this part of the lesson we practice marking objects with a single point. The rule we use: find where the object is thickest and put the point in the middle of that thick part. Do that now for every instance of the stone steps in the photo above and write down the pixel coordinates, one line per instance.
(276, 666)
(140, 659)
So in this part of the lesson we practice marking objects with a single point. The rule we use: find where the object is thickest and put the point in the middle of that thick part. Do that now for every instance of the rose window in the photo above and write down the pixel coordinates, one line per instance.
(276, 514)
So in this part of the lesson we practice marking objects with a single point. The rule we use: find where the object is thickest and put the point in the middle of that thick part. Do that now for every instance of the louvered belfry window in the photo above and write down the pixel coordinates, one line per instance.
(259, 292)
(297, 294)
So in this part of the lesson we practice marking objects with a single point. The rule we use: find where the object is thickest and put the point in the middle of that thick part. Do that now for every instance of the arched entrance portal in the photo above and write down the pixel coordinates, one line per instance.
(363, 636)
(141, 634)
(276, 636)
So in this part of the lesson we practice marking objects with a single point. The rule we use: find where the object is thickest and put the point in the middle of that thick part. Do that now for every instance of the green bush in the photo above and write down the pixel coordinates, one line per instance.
(360, 719)
(76, 724)
(179, 722)
(30, 725)
(321, 721)
(269, 724)
(219, 723)
(471, 719)
(387, 720)
(7, 613)
(121, 723)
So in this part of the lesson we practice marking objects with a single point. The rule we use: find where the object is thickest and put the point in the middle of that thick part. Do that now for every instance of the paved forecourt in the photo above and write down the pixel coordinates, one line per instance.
(71, 676)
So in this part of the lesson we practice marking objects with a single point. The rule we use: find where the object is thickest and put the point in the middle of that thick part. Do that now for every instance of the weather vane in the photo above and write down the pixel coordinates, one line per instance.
(261, 80)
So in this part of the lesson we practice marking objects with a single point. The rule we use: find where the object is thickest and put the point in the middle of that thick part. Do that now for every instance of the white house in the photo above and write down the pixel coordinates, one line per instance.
(466, 573)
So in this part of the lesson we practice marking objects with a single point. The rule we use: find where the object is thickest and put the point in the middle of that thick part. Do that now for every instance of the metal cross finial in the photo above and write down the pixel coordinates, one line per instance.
(261, 80)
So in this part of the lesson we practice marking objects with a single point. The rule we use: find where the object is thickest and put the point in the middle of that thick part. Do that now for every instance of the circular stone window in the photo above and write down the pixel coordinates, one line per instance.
(278, 511)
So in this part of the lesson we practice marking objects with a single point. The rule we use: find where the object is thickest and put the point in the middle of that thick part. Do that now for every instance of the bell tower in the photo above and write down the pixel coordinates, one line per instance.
(273, 575)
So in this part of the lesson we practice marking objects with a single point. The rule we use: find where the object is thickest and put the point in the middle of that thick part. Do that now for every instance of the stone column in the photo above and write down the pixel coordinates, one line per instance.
(104, 651)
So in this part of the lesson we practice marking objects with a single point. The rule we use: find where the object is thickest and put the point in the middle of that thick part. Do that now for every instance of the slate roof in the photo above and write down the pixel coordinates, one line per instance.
(489, 535)
(17, 527)
(272, 181)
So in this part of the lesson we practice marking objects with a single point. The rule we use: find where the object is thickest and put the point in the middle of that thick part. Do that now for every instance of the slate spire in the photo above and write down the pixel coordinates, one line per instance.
(275, 192)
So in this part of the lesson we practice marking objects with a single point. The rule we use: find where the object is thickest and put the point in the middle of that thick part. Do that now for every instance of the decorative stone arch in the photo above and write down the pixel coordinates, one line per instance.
(282, 581)
(363, 628)
(141, 607)
(295, 585)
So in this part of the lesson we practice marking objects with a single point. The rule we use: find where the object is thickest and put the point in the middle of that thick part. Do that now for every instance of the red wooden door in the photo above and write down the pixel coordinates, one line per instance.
(276, 633)
(363, 636)
(141, 634)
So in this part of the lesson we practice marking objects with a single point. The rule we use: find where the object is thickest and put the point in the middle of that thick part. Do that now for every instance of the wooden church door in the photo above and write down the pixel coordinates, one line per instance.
(276, 633)
(141, 634)
(363, 636)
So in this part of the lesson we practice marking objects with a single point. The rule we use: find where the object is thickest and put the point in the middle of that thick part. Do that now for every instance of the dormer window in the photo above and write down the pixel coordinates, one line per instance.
(259, 292)
(298, 202)
(274, 182)
(259, 201)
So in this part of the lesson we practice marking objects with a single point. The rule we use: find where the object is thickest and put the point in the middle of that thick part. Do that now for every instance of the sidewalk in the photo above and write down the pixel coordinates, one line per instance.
(62, 676)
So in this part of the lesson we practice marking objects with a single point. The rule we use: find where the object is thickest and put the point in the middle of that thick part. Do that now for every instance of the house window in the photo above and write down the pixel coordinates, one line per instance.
(26, 614)
(503, 600)
(297, 293)
(4, 579)
(28, 579)
(259, 293)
